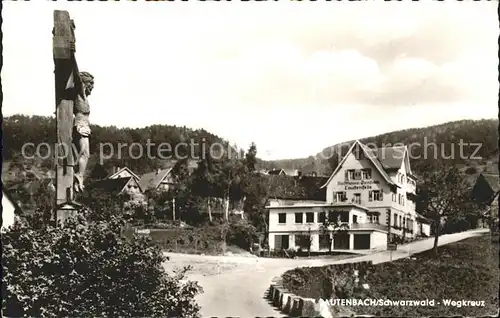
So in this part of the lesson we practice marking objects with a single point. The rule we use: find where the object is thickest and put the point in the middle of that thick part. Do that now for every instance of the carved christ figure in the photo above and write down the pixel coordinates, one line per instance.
(81, 127)
(84, 83)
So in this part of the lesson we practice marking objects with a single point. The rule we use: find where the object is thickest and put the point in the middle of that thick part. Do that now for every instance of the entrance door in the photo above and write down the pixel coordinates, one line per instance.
(341, 241)
(361, 241)
(285, 239)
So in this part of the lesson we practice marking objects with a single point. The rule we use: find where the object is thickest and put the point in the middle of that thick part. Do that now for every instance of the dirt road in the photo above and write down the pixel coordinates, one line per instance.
(238, 285)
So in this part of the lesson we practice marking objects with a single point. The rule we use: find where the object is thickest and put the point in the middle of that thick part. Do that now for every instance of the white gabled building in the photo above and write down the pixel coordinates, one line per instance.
(10, 211)
(290, 227)
(373, 190)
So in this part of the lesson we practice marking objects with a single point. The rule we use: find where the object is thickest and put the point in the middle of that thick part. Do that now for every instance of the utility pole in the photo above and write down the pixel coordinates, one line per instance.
(226, 212)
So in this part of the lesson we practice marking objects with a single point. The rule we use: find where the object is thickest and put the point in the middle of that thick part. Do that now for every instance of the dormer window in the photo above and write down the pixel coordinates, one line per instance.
(357, 175)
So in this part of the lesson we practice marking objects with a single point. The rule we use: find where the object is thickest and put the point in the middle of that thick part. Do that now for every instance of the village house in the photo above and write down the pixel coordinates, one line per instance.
(124, 172)
(127, 185)
(10, 210)
(485, 192)
(372, 191)
(161, 179)
(284, 172)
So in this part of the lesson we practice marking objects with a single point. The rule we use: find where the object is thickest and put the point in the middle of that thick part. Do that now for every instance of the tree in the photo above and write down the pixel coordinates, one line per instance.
(333, 161)
(89, 270)
(332, 225)
(44, 200)
(103, 206)
(444, 193)
(203, 180)
(97, 173)
(255, 189)
(251, 158)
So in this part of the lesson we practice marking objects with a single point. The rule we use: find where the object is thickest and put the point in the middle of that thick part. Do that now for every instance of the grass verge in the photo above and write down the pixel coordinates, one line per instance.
(465, 270)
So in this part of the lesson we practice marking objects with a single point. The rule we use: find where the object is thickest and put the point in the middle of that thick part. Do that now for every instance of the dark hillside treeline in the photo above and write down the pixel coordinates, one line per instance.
(20, 129)
(446, 137)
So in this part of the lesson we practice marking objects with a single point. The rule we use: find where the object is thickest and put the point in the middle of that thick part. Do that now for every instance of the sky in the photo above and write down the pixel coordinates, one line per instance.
(293, 77)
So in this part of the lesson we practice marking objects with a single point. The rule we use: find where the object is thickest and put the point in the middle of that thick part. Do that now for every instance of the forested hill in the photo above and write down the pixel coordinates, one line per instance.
(446, 136)
(20, 129)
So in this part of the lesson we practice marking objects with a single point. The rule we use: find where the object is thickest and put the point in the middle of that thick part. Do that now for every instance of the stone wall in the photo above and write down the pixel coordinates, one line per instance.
(297, 306)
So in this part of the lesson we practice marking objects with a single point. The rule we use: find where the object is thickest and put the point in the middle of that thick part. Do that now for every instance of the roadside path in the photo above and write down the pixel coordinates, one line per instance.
(240, 291)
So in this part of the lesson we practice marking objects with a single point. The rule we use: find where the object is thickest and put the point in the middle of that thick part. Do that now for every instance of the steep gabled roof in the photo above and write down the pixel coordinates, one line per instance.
(276, 172)
(114, 186)
(152, 180)
(368, 154)
(391, 158)
(121, 170)
(493, 180)
(485, 188)
(291, 172)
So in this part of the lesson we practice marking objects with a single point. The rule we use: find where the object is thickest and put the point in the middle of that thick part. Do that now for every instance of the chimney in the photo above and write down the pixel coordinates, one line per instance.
(117, 169)
(158, 171)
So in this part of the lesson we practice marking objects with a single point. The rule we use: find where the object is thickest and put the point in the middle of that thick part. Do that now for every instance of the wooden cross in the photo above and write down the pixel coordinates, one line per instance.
(67, 80)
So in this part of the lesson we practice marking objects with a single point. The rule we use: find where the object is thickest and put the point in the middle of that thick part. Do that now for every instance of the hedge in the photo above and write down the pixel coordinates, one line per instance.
(89, 270)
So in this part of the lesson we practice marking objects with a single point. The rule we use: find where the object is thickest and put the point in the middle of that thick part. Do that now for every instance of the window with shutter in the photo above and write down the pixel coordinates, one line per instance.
(366, 174)
(370, 196)
(341, 196)
(357, 175)
(357, 198)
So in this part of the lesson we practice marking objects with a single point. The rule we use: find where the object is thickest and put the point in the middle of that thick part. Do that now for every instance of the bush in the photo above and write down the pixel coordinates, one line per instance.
(89, 270)
(242, 234)
(207, 239)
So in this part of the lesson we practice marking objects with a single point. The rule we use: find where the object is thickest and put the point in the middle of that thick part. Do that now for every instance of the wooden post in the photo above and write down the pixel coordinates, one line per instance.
(226, 207)
(173, 208)
(209, 209)
(64, 87)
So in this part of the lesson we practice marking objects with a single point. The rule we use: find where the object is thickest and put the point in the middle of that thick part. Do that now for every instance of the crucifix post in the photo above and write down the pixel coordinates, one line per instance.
(71, 103)
(63, 69)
